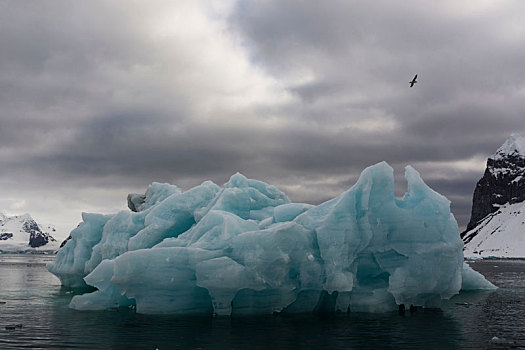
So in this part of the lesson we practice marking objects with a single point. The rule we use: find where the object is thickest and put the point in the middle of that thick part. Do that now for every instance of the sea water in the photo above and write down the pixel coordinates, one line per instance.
(34, 314)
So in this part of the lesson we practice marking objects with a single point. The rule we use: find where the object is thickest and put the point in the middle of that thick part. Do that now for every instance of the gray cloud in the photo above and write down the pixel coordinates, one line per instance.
(99, 99)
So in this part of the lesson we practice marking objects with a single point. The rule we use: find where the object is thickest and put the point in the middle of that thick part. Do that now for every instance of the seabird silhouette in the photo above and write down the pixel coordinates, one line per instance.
(413, 81)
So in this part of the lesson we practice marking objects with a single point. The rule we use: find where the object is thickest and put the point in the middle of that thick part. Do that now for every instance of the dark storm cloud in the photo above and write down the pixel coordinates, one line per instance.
(468, 100)
(148, 150)
(99, 98)
(352, 48)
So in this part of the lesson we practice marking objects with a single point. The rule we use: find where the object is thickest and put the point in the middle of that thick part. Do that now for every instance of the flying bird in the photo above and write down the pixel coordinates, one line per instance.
(413, 81)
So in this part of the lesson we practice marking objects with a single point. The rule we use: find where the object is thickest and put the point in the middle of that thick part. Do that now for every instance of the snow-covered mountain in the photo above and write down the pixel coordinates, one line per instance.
(497, 223)
(21, 233)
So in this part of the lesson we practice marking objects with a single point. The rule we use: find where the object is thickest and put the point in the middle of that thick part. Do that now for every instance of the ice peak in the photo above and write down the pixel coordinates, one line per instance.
(26, 217)
(237, 180)
(514, 145)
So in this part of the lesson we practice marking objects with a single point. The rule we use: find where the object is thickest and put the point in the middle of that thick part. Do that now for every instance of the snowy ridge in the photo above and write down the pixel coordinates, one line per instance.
(500, 234)
(21, 233)
(509, 159)
(515, 171)
(513, 146)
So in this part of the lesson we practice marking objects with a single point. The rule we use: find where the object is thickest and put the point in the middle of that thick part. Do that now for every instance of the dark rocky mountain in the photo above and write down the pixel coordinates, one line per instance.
(497, 223)
(37, 238)
(503, 181)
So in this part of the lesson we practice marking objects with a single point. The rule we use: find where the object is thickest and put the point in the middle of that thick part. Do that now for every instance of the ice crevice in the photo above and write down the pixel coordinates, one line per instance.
(244, 249)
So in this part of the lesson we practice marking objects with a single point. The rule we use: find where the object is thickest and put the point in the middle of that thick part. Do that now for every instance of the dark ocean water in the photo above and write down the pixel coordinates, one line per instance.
(35, 300)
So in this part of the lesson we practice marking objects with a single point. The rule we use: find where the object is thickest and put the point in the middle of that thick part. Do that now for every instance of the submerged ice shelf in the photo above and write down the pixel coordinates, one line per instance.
(244, 248)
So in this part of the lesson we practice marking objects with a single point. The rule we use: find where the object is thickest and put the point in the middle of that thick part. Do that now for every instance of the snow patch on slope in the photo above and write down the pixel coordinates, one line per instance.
(500, 234)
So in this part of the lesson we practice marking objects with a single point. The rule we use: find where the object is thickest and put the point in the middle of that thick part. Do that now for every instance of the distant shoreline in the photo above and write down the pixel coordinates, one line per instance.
(473, 258)
(29, 252)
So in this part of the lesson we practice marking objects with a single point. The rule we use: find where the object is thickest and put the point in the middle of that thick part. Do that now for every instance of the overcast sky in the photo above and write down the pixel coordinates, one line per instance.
(100, 98)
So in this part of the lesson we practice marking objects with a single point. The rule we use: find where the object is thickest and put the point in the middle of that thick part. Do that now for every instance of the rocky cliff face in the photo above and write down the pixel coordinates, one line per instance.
(37, 238)
(503, 181)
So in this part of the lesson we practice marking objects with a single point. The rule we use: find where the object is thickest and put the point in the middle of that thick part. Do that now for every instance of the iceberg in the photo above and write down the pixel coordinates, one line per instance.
(245, 249)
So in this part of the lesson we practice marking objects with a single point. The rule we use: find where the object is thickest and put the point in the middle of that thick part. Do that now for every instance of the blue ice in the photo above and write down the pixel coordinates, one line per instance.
(244, 249)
